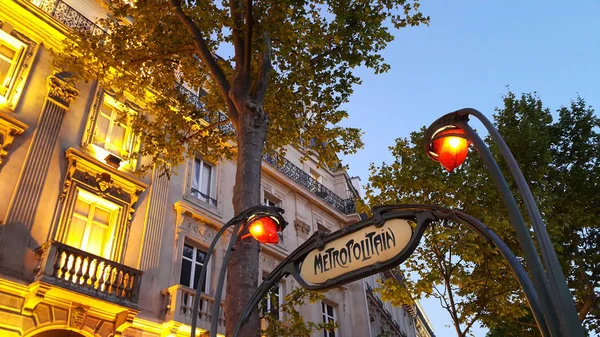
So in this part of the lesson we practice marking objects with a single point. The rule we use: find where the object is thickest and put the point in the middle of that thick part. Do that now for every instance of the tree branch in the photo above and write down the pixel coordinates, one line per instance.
(260, 85)
(238, 45)
(319, 57)
(468, 326)
(207, 57)
(585, 308)
(206, 128)
(248, 40)
(453, 307)
(185, 49)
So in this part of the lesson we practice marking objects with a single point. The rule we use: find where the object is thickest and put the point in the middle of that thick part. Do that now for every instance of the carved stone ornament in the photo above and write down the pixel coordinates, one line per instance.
(196, 228)
(77, 317)
(10, 127)
(61, 91)
(302, 228)
(268, 262)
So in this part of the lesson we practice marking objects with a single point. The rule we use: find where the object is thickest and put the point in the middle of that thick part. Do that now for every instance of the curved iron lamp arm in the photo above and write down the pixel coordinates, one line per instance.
(424, 215)
(242, 217)
(556, 276)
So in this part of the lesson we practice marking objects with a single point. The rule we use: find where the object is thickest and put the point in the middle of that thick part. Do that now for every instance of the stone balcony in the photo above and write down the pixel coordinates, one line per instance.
(76, 270)
(179, 301)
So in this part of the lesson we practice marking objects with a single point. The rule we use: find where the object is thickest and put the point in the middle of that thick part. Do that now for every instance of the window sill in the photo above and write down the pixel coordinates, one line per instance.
(215, 210)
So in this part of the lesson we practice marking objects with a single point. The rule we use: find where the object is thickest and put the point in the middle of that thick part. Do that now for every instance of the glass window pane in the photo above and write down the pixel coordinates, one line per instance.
(330, 311)
(186, 272)
(101, 129)
(206, 179)
(82, 208)
(96, 240)
(76, 232)
(197, 272)
(188, 251)
(197, 172)
(4, 68)
(102, 216)
(7, 53)
(117, 138)
(200, 256)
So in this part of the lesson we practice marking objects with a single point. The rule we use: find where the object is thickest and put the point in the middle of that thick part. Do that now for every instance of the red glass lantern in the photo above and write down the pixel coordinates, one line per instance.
(264, 229)
(450, 148)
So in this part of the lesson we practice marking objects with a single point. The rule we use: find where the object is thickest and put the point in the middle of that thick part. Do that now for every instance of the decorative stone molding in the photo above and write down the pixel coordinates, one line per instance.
(124, 320)
(77, 317)
(268, 262)
(190, 222)
(10, 127)
(103, 179)
(302, 228)
(87, 173)
(60, 91)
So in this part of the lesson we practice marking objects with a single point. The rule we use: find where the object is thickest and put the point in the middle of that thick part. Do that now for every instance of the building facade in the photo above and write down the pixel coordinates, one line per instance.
(88, 247)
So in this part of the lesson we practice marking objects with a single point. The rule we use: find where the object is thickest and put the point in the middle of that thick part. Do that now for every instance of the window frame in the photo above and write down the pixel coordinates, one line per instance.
(95, 202)
(197, 193)
(267, 303)
(195, 249)
(8, 84)
(269, 198)
(131, 142)
(325, 316)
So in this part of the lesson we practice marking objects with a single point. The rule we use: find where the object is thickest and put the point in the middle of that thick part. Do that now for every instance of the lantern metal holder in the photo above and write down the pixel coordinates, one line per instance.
(240, 224)
(550, 284)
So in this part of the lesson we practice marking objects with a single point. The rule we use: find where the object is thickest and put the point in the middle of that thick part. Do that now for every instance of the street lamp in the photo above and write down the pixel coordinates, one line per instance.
(550, 283)
(263, 223)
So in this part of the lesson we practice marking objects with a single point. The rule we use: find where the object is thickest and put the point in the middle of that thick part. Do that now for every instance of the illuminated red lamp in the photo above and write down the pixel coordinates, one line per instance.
(264, 229)
(450, 148)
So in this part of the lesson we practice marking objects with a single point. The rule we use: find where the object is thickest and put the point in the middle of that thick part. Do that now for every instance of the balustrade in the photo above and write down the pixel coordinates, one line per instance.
(179, 304)
(77, 270)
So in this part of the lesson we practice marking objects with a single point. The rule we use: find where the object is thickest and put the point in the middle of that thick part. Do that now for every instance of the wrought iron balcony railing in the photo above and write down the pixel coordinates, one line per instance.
(207, 199)
(68, 16)
(346, 206)
(77, 270)
(178, 307)
(194, 99)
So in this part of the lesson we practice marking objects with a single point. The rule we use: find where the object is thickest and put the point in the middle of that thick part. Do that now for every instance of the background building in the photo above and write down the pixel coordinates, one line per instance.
(89, 248)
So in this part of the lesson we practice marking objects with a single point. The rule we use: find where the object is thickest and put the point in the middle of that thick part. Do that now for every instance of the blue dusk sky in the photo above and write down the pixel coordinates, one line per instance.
(467, 57)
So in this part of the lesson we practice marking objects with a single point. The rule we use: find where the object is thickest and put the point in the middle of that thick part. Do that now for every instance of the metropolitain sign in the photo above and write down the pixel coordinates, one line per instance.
(357, 251)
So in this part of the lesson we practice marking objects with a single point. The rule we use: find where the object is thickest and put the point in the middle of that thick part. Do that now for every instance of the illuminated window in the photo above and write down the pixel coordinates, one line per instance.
(328, 317)
(92, 224)
(11, 54)
(113, 128)
(271, 200)
(192, 263)
(203, 182)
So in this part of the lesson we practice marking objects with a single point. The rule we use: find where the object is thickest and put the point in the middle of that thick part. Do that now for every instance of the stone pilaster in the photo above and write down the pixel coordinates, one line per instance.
(21, 212)
(155, 219)
(153, 235)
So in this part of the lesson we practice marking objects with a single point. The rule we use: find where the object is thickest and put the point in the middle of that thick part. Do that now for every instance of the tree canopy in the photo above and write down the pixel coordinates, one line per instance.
(559, 159)
(237, 79)
(295, 60)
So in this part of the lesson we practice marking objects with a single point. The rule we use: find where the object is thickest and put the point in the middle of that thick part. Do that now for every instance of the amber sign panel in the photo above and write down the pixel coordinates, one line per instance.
(356, 250)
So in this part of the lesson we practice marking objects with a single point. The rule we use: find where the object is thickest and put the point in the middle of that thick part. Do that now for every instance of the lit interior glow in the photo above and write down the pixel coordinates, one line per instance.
(454, 142)
(449, 149)
(264, 229)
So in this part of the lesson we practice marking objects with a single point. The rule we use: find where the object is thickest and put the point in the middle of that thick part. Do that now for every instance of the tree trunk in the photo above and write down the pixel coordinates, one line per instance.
(243, 268)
